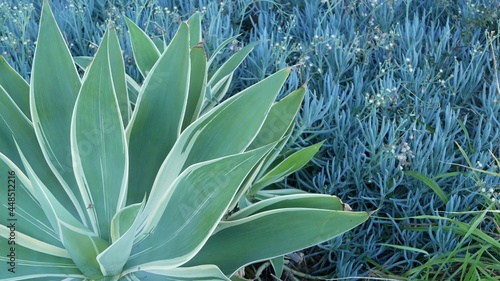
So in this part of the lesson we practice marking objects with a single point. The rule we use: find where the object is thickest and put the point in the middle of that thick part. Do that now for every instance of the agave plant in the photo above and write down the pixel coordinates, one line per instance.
(112, 180)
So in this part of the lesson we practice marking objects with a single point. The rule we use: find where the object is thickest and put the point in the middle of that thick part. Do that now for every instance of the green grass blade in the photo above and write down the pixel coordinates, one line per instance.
(406, 248)
(267, 235)
(157, 118)
(430, 183)
(98, 143)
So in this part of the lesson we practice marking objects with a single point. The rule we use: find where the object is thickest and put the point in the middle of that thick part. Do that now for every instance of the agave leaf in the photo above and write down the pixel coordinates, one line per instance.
(194, 204)
(212, 92)
(279, 119)
(216, 130)
(98, 143)
(14, 124)
(265, 194)
(291, 164)
(116, 255)
(15, 86)
(124, 220)
(272, 234)
(145, 52)
(83, 61)
(34, 265)
(277, 127)
(220, 47)
(54, 87)
(132, 87)
(278, 264)
(30, 220)
(232, 63)
(30, 242)
(82, 245)
(118, 75)
(312, 201)
(197, 83)
(202, 272)
(226, 72)
(194, 23)
(157, 118)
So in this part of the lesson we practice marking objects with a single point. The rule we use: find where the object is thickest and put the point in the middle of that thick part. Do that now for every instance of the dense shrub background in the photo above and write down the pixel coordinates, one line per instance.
(394, 85)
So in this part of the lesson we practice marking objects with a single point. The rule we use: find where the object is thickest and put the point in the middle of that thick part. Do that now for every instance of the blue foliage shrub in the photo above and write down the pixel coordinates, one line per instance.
(393, 85)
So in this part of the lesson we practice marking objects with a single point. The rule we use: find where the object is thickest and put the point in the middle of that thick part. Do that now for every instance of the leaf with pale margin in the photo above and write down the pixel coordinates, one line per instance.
(98, 143)
(268, 235)
(194, 204)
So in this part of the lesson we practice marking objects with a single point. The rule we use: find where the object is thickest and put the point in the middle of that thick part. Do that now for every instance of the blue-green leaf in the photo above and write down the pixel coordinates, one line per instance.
(98, 143)
(157, 118)
(192, 207)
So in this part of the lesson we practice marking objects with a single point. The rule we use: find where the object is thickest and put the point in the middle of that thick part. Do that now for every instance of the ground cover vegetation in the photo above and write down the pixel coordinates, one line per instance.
(404, 93)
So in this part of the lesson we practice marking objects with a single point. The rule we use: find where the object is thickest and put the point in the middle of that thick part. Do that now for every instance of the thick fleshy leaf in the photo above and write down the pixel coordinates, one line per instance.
(265, 194)
(124, 220)
(279, 119)
(312, 201)
(34, 265)
(232, 63)
(15, 86)
(214, 129)
(199, 273)
(27, 214)
(267, 235)
(219, 49)
(291, 164)
(118, 75)
(145, 52)
(82, 245)
(15, 125)
(52, 97)
(197, 82)
(116, 255)
(98, 143)
(278, 264)
(192, 208)
(194, 24)
(225, 72)
(157, 118)
(132, 87)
